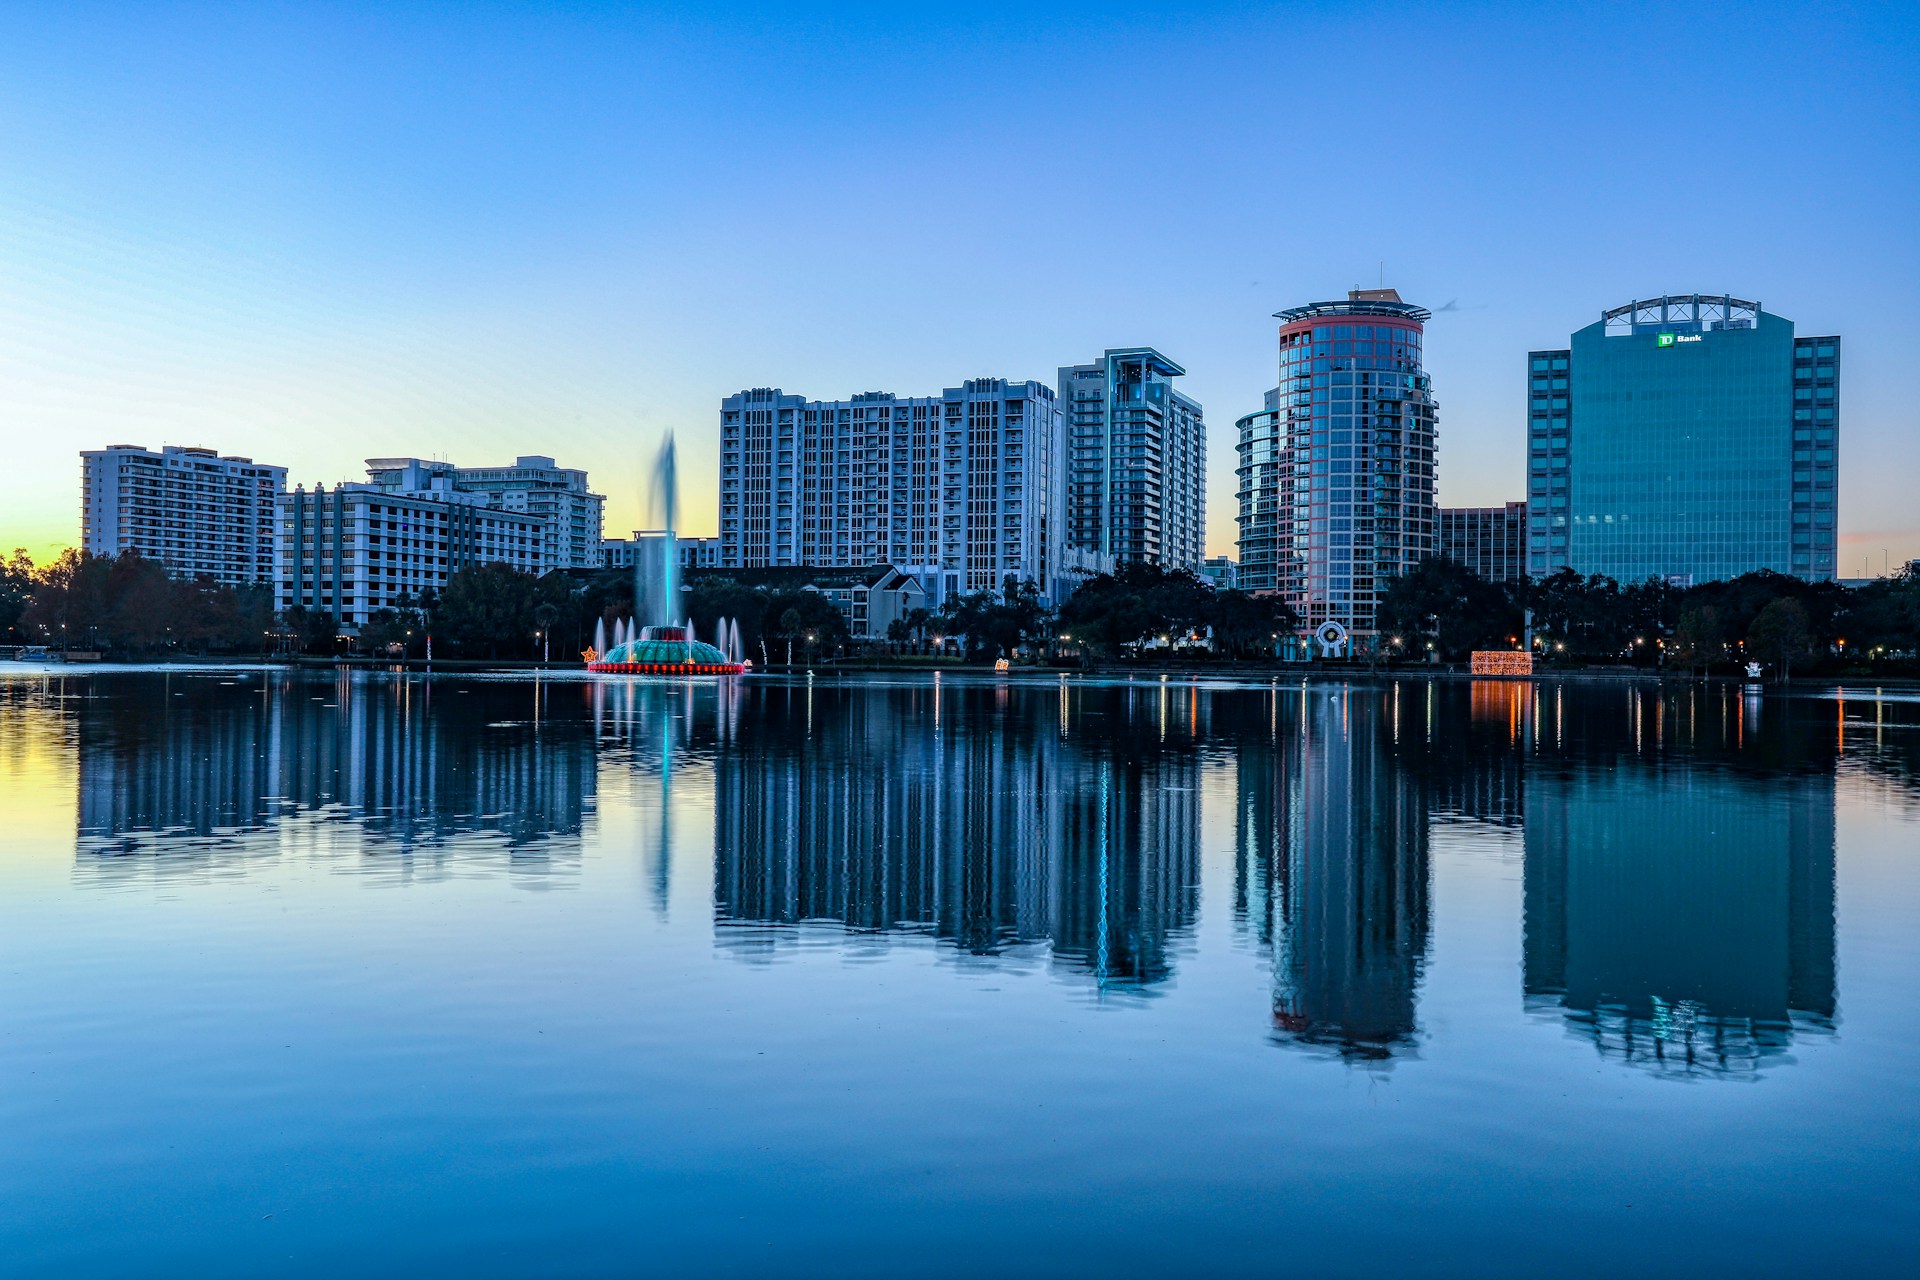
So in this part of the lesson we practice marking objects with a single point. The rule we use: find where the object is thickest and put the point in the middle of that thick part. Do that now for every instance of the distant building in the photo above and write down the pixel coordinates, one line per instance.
(870, 598)
(619, 553)
(694, 553)
(1220, 573)
(198, 513)
(1136, 460)
(963, 489)
(1690, 437)
(1261, 435)
(699, 553)
(872, 601)
(359, 548)
(1491, 541)
(533, 485)
(1356, 478)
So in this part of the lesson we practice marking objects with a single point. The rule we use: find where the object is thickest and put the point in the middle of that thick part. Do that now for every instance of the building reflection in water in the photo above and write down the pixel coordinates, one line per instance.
(1680, 876)
(203, 763)
(1007, 823)
(1332, 861)
(1678, 844)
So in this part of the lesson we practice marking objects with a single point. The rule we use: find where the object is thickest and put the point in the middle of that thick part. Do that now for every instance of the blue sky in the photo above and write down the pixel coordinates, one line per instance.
(318, 233)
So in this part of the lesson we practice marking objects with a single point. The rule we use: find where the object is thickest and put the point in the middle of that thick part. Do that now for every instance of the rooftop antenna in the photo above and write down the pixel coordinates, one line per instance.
(1383, 273)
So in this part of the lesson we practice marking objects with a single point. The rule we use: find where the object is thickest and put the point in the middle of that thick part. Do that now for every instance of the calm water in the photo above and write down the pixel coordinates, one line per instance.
(384, 975)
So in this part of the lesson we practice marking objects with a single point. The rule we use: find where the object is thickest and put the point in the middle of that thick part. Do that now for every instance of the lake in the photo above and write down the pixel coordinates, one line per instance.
(372, 974)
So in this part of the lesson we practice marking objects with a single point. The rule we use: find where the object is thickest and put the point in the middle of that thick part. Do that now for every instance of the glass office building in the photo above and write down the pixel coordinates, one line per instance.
(1491, 541)
(1691, 437)
(1356, 475)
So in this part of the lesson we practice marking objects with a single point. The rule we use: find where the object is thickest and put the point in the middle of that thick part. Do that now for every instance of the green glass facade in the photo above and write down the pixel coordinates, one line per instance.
(1690, 438)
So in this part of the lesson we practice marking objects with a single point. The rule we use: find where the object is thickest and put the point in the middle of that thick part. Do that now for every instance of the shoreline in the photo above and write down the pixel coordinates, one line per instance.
(1301, 673)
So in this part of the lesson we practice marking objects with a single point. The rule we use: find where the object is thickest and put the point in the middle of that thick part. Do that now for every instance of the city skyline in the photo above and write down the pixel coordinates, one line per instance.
(381, 233)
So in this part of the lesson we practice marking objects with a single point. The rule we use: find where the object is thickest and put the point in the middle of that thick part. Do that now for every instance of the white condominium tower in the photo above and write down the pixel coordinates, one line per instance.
(963, 489)
(531, 486)
(1137, 470)
(199, 514)
(359, 548)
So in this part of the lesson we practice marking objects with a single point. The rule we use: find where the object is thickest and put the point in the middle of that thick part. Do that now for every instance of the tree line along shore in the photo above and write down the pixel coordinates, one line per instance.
(128, 608)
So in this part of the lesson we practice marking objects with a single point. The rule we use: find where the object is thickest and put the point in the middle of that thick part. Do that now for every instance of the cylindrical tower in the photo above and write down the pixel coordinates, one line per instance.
(1356, 502)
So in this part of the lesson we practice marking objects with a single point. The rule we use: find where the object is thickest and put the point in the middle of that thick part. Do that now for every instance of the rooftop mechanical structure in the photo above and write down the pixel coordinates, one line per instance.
(1681, 313)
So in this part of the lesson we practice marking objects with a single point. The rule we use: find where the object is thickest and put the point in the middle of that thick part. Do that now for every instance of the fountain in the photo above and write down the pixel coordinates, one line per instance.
(654, 641)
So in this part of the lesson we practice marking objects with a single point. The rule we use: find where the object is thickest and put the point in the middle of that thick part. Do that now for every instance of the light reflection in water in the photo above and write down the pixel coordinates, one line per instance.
(1679, 845)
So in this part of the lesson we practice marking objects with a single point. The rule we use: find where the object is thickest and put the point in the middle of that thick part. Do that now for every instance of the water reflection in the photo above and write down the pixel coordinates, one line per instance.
(1680, 878)
(1333, 868)
(204, 765)
(1679, 843)
(1008, 824)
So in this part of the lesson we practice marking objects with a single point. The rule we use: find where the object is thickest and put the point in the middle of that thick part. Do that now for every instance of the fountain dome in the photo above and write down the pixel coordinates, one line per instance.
(666, 651)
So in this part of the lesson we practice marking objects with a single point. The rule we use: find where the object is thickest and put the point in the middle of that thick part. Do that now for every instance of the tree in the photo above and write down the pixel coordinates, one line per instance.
(1697, 639)
(559, 613)
(710, 599)
(807, 617)
(1780, 633)
(398, 631)
(910, 629)
(313, 630)
(996, 625)
(1134, 603)
(16, 588)
(1243, 622)
(1884, 616)
(120, 602)
(487, 611)
(1456, 608)
(1585, 616)
(606, 596)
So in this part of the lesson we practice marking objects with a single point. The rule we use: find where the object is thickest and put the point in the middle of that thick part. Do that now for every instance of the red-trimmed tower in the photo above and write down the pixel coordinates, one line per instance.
(1356, 501)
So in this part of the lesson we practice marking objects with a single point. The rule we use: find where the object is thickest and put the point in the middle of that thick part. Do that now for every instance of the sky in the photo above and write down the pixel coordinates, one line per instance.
(318, 233)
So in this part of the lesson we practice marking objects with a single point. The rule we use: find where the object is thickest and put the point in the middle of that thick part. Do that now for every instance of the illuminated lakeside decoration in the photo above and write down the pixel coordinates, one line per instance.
(1502, 662)
(666, 651)
(1332, 638)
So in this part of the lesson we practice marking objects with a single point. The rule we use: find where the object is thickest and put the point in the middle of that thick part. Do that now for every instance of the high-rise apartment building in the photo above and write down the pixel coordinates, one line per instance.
(1691, 437)
(1491, 541)
(1260, 435)
(359, 548)
(199, 514)
(533, 485)
(1356, 443)
(963, 489)
(1136, 462)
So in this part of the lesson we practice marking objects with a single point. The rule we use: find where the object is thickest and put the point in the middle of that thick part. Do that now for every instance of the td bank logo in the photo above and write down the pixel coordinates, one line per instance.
(1668, 339)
